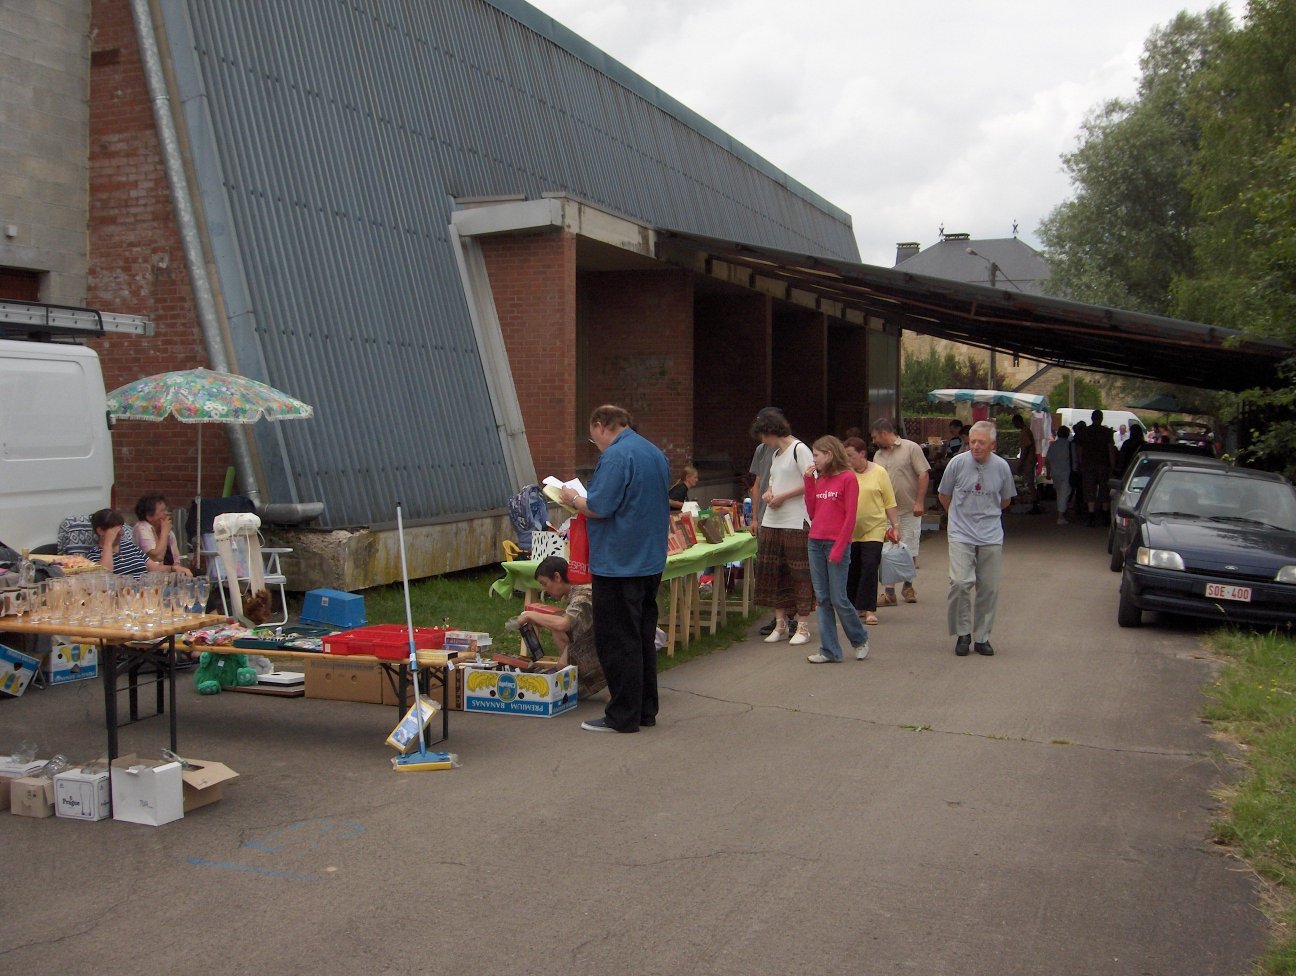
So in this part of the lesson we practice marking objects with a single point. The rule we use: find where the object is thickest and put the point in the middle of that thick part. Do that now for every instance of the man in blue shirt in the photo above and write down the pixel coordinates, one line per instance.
(628, 509)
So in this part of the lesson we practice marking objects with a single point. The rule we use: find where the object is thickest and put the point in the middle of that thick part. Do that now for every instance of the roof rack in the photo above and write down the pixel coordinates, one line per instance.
(40, 320)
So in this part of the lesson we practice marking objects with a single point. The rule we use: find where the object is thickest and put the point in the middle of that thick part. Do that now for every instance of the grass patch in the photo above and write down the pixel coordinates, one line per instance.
(1254, 703)
(463, 601)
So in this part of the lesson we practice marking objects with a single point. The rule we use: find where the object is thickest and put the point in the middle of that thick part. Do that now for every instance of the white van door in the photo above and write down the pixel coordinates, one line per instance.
(55, 450)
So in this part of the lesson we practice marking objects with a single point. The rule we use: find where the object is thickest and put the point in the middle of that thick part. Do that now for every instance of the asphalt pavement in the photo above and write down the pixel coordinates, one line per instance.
(1043, 811)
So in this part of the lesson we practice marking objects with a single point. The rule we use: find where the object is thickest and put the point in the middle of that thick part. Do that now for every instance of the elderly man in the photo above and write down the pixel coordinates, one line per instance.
(628, 507)
(907, 466)
(975, 489)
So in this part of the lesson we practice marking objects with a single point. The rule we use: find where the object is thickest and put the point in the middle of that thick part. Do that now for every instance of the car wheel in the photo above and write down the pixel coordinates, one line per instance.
(1117, 562)
(1127, 612)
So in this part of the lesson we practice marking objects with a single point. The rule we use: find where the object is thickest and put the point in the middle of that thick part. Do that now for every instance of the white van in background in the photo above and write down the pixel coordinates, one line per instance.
(1111, 418)
(55, 452)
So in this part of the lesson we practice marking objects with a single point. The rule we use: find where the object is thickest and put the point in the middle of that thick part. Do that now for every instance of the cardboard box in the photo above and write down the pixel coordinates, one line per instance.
(32, 796)
(82, 793)
(333, 607)
(204, 782)
(147, 791)
(519, 693)
(454, 694)
(69, 661)
(16, 670)
(409, 730)
(10, 770)
(343, 680)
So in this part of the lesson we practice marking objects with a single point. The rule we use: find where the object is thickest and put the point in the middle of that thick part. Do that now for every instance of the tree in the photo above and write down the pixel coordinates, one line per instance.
(1125, 235)
(936, 370)
(1087, 394)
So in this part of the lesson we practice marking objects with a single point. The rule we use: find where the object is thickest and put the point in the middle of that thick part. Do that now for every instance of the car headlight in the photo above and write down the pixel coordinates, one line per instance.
(1159, 558)
(1286, 575)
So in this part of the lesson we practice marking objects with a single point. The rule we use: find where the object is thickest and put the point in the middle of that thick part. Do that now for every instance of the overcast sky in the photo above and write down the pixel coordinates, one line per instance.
(907, 116)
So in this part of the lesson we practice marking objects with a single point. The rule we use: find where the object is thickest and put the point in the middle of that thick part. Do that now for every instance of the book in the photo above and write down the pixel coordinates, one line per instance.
(552, 489)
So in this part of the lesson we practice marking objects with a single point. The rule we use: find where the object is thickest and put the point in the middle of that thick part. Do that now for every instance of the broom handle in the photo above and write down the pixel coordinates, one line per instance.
(409, 624)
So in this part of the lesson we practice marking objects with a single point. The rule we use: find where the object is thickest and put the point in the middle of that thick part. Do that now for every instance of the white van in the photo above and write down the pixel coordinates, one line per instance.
(55, 451)
(1111, 418)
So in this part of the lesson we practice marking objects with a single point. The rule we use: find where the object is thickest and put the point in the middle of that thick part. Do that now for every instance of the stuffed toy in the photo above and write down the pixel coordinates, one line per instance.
(217, 671)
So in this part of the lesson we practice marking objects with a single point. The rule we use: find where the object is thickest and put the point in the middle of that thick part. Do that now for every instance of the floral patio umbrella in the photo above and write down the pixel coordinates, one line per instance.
(1002, 398)
(203, 396)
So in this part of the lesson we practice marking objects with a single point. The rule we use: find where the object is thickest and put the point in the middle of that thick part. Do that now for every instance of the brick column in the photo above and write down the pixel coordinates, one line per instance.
(731, 375)
(533, 283)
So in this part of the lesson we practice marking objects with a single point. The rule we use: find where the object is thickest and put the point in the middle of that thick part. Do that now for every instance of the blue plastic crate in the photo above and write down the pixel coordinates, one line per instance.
(335, 608)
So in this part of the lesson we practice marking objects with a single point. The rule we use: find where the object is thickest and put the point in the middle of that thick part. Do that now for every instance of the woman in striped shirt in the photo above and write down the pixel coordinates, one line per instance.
(117, 551)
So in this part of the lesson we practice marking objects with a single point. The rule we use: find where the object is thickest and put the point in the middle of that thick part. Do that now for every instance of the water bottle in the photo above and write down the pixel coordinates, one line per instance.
(747, 511)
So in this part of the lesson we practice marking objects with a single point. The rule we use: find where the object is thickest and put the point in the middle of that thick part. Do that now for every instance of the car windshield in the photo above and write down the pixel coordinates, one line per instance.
(1223, 496)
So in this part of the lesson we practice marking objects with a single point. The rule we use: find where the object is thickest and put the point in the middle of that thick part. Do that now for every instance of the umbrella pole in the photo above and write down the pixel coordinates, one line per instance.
(198, 559)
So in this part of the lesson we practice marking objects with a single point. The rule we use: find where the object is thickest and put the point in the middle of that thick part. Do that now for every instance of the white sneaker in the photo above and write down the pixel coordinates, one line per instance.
(802, 636)
(778, 633)
(861, 651)
(822, 659)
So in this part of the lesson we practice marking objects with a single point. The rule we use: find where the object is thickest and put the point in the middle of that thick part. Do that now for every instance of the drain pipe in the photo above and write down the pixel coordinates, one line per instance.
(182, 204)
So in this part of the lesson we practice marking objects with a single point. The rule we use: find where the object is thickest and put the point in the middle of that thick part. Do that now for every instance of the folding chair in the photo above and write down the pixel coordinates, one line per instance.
(234, 556)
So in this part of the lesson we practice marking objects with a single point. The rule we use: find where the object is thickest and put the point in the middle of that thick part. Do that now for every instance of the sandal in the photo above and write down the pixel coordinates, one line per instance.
(870, 620)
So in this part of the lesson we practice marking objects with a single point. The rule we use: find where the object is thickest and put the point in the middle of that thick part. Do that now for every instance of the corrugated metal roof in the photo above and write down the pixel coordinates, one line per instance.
(330, 140)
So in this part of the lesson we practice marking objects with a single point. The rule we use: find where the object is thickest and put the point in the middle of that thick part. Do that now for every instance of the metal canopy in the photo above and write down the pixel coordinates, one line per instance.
(1053, 330)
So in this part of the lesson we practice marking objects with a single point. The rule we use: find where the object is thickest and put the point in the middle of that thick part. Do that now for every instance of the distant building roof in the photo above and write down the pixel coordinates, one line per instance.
(1020, 266)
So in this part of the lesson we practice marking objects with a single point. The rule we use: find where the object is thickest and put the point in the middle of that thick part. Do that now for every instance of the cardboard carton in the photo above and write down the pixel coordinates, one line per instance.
(16, 670)
(204, 782)
(343, 680)
(406, 735)
(454, 693)
(71, 661)
(82, 793)
(10, 770)
(32, 796)
(514, 693)
(146, 791)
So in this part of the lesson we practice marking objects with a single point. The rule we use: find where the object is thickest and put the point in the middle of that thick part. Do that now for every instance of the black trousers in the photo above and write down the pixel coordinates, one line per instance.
(862, 578)
(625, 637)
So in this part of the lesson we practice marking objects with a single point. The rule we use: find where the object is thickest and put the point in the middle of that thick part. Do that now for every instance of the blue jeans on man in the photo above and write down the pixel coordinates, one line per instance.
(829, 580)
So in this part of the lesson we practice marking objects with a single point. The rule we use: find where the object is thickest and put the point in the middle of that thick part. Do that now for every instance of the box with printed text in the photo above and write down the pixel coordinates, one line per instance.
(519, 692)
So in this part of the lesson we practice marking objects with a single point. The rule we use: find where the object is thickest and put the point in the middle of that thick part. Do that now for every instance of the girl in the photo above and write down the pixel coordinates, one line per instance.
(832, 502)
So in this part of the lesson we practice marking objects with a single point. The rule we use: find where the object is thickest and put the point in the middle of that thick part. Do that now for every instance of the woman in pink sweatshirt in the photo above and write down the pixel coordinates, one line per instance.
(831, 499)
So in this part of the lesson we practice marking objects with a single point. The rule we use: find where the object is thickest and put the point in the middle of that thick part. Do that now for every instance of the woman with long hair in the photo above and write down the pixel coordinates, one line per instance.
(832, 502)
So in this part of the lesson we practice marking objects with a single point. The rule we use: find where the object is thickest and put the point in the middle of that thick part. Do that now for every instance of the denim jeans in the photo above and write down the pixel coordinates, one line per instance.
(829, 580)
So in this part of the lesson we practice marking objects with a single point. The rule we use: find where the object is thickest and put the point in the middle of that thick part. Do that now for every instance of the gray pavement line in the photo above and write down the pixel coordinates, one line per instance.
(922, 727)
(722, 852)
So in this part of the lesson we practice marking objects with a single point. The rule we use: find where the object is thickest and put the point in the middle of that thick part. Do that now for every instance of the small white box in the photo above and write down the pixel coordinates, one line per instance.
(82, 794)
(147, 791)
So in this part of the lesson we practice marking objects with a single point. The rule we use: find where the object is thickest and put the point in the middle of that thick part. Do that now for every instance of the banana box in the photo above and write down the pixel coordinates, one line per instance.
(16, 670)
(519, 692)
(71, 661)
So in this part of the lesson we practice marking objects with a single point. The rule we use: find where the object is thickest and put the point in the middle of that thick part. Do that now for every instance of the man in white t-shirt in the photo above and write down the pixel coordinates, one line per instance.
(975, 489)
(906, 464)
(782, 555)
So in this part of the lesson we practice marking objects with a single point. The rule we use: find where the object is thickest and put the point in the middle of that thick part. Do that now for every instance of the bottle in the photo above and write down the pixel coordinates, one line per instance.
(26, 582)
(747, 512)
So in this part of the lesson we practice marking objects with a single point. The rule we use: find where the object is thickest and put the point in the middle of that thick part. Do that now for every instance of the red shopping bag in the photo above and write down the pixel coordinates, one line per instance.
(578, 570)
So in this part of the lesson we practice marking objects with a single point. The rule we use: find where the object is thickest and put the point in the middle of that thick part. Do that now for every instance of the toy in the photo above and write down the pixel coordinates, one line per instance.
(217, 671)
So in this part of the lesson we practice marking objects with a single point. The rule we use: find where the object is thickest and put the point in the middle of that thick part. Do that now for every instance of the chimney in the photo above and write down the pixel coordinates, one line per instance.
(906, 250)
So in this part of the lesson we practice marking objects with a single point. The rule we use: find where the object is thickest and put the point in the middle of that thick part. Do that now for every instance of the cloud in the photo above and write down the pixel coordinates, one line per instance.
(905, 117)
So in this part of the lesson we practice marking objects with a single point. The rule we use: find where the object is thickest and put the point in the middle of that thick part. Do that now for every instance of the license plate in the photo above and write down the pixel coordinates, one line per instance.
(1222, 592)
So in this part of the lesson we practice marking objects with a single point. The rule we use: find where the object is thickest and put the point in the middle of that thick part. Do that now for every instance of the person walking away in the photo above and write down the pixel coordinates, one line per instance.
(875, 513)
(975, 490)
(1077, 483)
(782, 558)
(1125, 454)
(910, 474)
(1026, 458)
(628, 509)
(1097, 457)
(832, 502)
(1057, 465)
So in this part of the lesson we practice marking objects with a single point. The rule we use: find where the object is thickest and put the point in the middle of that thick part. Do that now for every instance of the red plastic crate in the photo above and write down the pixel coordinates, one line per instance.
(387, 641)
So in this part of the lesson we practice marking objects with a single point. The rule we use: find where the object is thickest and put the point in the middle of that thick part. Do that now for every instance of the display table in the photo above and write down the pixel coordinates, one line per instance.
(129, 652)
(123, 650)
(682, 570)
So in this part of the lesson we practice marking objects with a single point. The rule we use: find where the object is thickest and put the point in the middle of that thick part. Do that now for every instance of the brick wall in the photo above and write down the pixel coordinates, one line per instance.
(533, 282)
(637, 331)
(800, 375)
(731, 377)
(137, 267)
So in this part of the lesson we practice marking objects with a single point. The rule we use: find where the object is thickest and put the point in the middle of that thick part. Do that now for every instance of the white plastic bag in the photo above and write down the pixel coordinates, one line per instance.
(897, 564)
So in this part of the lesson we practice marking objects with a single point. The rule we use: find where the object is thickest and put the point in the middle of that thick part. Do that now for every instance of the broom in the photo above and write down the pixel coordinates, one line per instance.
(421, 760)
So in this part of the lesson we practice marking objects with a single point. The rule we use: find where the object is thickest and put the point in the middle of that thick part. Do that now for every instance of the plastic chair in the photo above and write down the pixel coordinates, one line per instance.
(272, 575)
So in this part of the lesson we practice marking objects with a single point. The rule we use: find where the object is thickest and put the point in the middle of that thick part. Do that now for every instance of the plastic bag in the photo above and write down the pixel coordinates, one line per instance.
(897, 564)
(578, 570)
